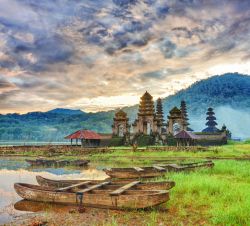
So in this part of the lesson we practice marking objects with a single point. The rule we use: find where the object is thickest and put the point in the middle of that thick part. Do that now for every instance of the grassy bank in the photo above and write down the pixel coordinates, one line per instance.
(234, 150)
(221, 195)
(231, 150)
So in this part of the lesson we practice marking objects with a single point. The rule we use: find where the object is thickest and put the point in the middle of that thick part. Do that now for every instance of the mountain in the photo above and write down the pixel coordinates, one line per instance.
(51, 125)
(65, 111)
(228, 94)
(230, 89)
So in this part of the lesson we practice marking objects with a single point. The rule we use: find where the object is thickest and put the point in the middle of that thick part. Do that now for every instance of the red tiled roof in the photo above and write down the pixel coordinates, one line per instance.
(186, 135)
(84, 134)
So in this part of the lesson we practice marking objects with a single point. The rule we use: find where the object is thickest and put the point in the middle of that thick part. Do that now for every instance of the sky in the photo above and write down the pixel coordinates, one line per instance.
(98, 55)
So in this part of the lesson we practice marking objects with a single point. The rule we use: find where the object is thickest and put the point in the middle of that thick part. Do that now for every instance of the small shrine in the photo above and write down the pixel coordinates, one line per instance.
(176, 121)
(120, 125)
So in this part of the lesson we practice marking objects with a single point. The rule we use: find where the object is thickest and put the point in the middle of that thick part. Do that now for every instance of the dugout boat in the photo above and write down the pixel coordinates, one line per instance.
(154, 171)
(200, 163)
(135, 172)
(146, 185)
(101, 195)
(33, 206)
(57, 163)
(188, 166)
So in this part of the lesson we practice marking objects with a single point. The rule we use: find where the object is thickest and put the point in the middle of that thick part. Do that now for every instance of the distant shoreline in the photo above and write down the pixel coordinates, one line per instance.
(31, 143)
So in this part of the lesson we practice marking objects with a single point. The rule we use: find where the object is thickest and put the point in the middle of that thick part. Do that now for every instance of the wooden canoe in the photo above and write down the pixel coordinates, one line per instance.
(207, 162)
(164, 185)
(99, 195)
(188, 166)
(39, 162)
(50, 162)
(33, 206)
(154, 171)
(135, 172)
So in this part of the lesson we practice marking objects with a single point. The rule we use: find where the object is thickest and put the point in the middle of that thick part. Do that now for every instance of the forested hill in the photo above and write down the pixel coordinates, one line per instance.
(226, 90)
(228, 94)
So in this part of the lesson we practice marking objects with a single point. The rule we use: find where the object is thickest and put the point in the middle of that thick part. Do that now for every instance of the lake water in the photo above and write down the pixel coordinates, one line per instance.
(14, 170)
(31, 143)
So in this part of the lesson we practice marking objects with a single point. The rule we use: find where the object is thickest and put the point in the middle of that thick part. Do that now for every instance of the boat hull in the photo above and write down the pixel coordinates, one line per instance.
(188, 167)
(165, 185)
(46, 162)
(130, 173)
(132, 199)
(155, 171)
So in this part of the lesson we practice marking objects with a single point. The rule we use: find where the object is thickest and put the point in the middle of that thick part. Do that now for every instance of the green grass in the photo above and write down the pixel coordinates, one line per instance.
(239, 149)
(221, 196)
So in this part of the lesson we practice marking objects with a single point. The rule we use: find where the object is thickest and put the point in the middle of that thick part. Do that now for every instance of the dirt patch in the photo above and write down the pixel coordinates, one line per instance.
(66, 215)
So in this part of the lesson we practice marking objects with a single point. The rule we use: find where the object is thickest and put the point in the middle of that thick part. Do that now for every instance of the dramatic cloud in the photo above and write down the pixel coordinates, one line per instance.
(4, 84)
(97, 55)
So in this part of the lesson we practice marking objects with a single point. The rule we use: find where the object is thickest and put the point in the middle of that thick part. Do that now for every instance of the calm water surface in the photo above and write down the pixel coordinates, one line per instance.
(14, 170)
(31, 143)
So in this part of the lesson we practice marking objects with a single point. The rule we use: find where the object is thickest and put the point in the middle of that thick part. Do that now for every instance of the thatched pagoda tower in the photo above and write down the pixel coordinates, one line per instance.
(146, 121)
(211, 122)
(146, 107)
(159, 112)
(184, 113)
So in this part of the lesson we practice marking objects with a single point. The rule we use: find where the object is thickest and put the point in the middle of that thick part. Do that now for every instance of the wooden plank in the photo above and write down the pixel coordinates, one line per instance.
(172, 165)
(139, 169)
(73, 186)
(162, 165)
(175, 166)
(124, 188)
(159, 168)
(196, 163)
(93, 187)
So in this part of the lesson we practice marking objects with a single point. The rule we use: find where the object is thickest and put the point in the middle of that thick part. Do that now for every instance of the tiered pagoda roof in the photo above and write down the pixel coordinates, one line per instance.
(184, 113)
(120, 115)
(175, 112)
(146, 107)
(211, 123)
(159, 112)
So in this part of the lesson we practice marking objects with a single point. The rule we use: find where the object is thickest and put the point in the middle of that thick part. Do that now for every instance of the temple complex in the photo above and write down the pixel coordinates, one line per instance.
(151, 128)
(150, 125)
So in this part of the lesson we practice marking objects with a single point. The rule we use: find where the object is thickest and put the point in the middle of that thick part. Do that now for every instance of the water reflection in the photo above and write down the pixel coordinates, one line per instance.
(31, 206)
(13, 164)
(16, 170)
